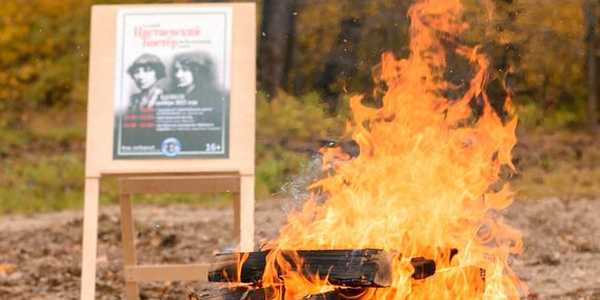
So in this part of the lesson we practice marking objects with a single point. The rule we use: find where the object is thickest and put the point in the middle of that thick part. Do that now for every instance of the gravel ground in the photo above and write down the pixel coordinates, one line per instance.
(40, 255)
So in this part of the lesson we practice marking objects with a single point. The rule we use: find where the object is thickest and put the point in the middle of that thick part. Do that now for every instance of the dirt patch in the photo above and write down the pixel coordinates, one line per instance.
(562, 247)
(41, 254)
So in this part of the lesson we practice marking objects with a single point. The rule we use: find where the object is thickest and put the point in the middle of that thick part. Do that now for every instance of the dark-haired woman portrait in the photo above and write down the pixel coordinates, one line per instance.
(194, 76)
(146, 71)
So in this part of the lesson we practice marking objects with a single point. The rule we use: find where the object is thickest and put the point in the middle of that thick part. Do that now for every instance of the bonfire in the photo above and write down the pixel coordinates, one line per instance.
(425, 184)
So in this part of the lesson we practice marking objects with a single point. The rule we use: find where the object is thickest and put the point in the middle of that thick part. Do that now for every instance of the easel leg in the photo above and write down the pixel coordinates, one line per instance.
(128, 239)
(236, 217)
(90, 238)
(246, 213)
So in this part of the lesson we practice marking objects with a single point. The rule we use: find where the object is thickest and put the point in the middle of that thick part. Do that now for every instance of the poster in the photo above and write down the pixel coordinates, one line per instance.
(172, 89)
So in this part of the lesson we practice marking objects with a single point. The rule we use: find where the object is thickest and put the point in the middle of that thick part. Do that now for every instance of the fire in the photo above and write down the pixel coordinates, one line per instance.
(426, 180)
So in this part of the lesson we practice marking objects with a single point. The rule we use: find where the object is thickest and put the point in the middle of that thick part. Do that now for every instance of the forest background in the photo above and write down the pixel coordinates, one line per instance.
(313, 54)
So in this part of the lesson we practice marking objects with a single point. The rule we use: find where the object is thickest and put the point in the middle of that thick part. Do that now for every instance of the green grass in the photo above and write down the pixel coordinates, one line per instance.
(41, 182)
(42, 165)
(558, 163)
(42, 162)
(562, 164)
(55, 182)
(565, 182)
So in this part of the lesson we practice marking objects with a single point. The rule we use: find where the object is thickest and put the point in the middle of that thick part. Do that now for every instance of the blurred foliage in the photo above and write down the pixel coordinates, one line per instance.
(43, 62)
(551, 52)
(289, 130)
(536, 47)
(383, 27)
(43, 57)
(31, 183)
(557, 163)
(49, 175)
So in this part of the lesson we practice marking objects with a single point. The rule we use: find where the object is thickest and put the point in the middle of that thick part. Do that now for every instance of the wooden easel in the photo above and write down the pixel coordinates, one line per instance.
(234, 172)
(242, 188)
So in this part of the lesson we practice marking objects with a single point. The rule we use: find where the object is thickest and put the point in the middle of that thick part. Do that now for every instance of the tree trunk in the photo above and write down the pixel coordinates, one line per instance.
(590, 20)
(276, 43)
(341, 62)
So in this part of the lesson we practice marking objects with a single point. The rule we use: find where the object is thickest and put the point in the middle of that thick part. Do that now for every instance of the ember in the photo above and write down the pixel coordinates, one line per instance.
(425, 180)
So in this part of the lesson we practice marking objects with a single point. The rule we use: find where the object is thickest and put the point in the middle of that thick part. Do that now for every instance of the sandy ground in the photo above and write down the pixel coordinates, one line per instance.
(40, 255)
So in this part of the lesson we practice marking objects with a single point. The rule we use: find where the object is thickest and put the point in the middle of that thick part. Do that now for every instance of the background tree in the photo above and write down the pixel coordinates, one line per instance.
(341, 63)
(590, 12)
(276, 43)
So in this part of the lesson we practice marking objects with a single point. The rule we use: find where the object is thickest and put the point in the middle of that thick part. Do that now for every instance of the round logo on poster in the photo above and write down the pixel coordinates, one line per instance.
(170, 147)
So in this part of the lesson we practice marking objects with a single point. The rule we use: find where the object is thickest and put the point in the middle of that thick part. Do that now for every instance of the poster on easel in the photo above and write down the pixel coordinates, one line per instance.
(172, 83)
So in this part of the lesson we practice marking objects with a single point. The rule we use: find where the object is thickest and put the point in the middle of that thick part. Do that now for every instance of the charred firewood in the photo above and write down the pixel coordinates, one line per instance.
(350, 268)
(349, 147)
(253, 266)
(423, 267)
(332, 295)
(367, 267)
(235, 293)
(338, 294)
(453, 252)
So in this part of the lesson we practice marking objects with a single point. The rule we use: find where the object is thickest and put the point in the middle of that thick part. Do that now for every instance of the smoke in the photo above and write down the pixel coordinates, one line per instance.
(294, 193)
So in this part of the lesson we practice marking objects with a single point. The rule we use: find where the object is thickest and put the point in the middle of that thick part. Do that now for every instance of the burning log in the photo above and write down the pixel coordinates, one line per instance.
(252, 293)
(423, 267)
(338, 294)
(252, 267)
(349, 268)
(332, 295)
(234, 293)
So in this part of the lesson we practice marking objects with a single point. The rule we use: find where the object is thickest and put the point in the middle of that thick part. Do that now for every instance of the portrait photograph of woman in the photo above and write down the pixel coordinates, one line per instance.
(193, 75)
(146, 71)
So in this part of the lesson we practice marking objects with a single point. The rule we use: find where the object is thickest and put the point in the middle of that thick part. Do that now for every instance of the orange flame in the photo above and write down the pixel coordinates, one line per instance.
(426, 180)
